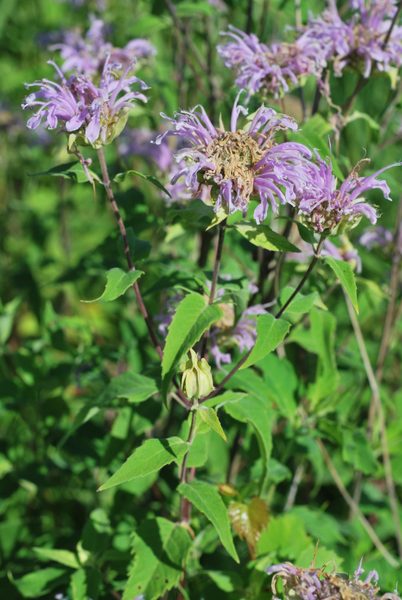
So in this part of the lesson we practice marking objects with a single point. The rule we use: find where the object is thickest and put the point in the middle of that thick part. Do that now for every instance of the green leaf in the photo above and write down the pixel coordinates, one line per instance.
(40, 582)
(191, 9)
(160, 550)
(151, 456)
(117, 283)
(257, 413)
(300, 304)
(133, 386)
(264, 237)
(346, 276)
(357, 451)
(63, 557)
(72, 170)
(227, 581)
(193, 316)
(208, 415)
(206, 499)
(78, 585)
(357, 114)
(120, 177)
(270, 333)
(284, 536)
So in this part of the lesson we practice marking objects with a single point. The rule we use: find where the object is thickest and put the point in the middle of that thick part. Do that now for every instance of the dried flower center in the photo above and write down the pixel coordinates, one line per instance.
(235, 155)
(283, 55)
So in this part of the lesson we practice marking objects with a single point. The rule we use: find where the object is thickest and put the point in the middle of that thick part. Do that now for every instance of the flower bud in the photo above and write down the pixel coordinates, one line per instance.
(196, 380)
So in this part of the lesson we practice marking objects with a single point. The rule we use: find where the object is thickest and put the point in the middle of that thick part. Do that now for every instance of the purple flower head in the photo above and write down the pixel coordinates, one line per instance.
(98, 113)
(363, 41)
(325, 207)
(269, 69)
(87, 55)
(375, 237)
(138, 142)
(234, 165)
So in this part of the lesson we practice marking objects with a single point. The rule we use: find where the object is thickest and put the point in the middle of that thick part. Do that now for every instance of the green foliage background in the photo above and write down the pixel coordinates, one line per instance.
(65, 424)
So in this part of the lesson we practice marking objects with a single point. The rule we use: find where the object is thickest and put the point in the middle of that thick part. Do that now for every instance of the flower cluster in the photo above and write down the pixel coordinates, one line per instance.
(368, 39)
(316, 584)
(270, 69)
(228, 167)
(87, 55)
(327, 208)
(97, 113)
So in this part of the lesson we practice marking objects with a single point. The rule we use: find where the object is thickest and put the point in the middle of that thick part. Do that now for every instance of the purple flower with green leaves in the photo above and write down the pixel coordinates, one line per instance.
(87, 54)
(269, 69)
(76, 105)
(325, 206)
(232, 166)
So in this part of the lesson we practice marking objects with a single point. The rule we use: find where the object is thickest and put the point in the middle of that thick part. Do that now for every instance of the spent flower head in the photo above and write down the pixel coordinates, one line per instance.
(327, 208)
(96, 114)
(317, 584)
(228, 167)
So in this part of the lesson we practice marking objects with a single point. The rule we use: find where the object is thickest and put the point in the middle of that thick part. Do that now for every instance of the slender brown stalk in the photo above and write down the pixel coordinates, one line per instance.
(393, 23)
(375, 390)
(355, 507)
(297, 478)
(123, 233)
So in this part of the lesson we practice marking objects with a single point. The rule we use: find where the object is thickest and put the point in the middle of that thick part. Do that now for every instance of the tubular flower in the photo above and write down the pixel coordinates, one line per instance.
(271, 69)
(376, 237)
(325, 207)
(87, 55)
(77, 105)
(316, 584)
(229, 167)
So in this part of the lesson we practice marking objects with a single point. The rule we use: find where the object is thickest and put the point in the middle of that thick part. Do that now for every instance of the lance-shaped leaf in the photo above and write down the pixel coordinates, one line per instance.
(117, 283)
(160, 549)
(71, 170)
(344, 272)
(150, 457)
(192, 318)
(122, 176)
(265, 237)
(206, 498)
(270, 333)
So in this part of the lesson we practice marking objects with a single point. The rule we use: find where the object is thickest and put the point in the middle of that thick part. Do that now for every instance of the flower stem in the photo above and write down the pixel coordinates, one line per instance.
(123, 233)
(217, 263)
(277, 316)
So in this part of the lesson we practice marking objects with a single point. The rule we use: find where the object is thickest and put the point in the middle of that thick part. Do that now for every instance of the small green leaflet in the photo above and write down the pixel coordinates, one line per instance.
(117, 283)
(151, 456)
(192, 318)
(207, 500)
(346, 276)
(270, 333)
(265, 237)
(208, 415)
(72, 170)
(78, 585)
(160, 549)
(122, 176)
(63, 557)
